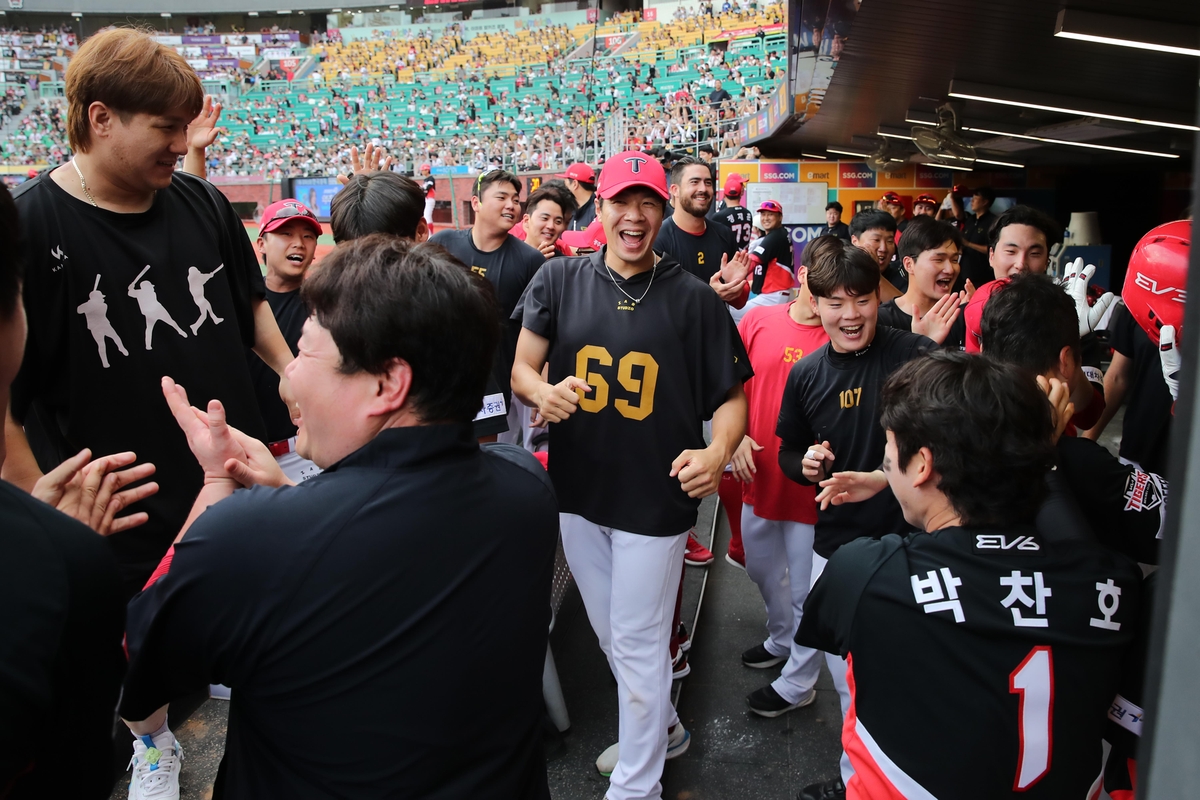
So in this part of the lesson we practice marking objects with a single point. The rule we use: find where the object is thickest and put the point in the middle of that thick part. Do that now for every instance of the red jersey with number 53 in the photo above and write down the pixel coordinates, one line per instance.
(981, 662)
(774, 342)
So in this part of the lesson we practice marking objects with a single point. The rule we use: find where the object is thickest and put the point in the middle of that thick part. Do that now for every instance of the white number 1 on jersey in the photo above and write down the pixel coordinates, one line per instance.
(1033, 680)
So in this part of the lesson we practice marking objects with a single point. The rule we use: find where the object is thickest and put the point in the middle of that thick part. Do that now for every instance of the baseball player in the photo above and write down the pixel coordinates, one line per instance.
(640, 354)
(777, 515)
(734, 214)
(930, 251)
(980, 638)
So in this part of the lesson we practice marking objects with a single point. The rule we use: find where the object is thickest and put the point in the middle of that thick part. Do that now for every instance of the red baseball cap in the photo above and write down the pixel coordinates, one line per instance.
(592, 238)
(632, 168)
(892, 197)
(734, 185)
(928, 199)
(771, 205)
(281, 212)
(579, 172)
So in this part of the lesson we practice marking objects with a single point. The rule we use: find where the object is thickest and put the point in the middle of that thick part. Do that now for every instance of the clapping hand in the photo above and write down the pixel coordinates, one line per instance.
(936, 323)
(1076, 283)
(92, 491)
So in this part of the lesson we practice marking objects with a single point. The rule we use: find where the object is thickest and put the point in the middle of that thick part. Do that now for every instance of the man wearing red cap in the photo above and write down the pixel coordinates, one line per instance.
(772, 258)
(430, 187)
(639, 354)
(581, 180)
(892, 204)
(287, 240)
(925, 205)
(734, 214)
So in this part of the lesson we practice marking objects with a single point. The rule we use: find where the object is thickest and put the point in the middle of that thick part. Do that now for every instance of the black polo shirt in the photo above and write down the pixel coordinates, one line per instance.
(975, 266)
(349, 615)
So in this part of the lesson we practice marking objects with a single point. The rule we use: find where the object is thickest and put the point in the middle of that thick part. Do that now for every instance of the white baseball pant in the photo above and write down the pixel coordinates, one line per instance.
(519, 419)
(772, 299)
(779, 558)
(429, 203)
(837, 670)
(628, 582)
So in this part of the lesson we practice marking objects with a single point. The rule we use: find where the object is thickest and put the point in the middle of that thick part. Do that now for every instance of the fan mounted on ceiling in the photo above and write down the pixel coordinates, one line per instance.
(942, 143)
(887, 159)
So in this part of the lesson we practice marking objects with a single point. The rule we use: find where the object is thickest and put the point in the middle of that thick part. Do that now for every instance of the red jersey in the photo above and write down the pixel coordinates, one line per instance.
(973, 314)
(518, 231)
(775, 342)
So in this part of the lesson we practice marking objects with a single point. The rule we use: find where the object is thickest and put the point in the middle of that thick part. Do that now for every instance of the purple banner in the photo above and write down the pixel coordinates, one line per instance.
(218, 63)
(202, 40)
(209, 51)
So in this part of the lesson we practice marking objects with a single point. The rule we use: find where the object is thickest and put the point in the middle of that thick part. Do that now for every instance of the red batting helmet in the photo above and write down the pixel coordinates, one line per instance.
(1156, 282)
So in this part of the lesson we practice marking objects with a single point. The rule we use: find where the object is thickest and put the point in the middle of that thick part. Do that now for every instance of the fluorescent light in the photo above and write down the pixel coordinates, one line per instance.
(846, 152)
(1088, 145)
(335, 10)
(947, 166)
(813, 155)
(1159, 37)
(1042, 102)
(252, 13)
(892, 135)
(76, 14)
(999, 163)
(165, 14)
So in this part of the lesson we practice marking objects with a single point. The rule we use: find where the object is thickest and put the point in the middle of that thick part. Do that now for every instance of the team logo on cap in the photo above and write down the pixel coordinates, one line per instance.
(635, 163)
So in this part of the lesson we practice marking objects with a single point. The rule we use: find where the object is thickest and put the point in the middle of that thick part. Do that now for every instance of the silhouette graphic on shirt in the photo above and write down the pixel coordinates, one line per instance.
(196, 281)
(95, 313)
(151, 309)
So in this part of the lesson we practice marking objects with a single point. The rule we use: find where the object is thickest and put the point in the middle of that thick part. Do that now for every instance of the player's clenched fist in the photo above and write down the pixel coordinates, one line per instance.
(699, 471)
(817, 461)
(558, 401)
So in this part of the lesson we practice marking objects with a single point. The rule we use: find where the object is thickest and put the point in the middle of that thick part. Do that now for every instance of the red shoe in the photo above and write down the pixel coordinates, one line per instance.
(736, 559)
(697, 555)
(680, 641)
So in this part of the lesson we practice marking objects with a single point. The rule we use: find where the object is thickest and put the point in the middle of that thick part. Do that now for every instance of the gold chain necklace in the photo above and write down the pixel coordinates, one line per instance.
(83, 183)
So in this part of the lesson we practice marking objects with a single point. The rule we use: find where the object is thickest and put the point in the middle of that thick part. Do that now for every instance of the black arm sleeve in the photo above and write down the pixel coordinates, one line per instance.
(791, 461)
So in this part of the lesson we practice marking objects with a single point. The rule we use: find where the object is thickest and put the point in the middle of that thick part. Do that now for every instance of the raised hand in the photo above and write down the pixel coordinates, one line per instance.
(260, 467)
(729, 281)
(850, 487)
(202, 131)
(1076, 280)
(1061, 407)
(1168, 353)
(210, 439)
(374, 159)
(91, 491)
(940, 318)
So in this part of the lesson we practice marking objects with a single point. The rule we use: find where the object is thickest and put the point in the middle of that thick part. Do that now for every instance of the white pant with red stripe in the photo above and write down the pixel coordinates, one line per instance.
(837, 670)
(628, 583)
(779, 558)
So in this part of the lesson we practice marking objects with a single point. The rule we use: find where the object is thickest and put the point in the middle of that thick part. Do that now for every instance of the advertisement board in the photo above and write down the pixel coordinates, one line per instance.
(316, 193)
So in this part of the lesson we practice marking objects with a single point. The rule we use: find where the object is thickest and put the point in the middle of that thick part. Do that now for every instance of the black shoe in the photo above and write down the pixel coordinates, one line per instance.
(829, 790)
(758, 657)
(766, 702)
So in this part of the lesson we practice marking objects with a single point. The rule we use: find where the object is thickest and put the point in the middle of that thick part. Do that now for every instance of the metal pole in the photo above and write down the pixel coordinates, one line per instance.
(1167, 752)
(453, 204)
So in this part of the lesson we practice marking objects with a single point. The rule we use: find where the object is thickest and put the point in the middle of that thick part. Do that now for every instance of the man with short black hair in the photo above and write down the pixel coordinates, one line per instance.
(977, 236)
(1012, 638)
(340, 605)
(547, 214)
(581, 182)
(707, 251)
(930, 251)
(829, 417)
(833, 221)
(507, 262)
(874, 232)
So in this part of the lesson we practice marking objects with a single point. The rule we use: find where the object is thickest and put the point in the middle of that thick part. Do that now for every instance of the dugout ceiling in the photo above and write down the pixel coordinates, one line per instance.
(902, 56)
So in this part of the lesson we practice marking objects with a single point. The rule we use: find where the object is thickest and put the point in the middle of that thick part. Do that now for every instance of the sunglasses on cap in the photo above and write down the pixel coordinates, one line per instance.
(292, 210)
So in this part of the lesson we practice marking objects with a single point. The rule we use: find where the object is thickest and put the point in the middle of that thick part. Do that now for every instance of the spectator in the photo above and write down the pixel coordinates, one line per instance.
(833, 222)
(977, 230)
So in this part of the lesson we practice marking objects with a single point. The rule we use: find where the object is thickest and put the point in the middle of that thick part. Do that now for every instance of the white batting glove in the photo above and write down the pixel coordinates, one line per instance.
(1076, 283)
(1168, 353)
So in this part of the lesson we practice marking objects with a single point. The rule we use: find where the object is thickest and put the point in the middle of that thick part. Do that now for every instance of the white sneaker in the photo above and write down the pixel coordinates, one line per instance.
(678, 740)
(156, 765)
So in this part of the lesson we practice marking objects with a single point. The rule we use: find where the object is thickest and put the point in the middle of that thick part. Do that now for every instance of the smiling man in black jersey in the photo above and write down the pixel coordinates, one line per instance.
(979, 639)
(639, 354)
(829, 417)
(707, 251)
(930, 250)
(735, 215)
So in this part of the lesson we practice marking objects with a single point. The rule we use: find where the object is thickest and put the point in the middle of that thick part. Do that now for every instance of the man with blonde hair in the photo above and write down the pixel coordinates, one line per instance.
(116, 215)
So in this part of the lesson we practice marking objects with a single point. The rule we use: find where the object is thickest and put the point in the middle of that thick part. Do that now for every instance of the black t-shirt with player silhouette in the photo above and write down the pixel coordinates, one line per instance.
(117, 301)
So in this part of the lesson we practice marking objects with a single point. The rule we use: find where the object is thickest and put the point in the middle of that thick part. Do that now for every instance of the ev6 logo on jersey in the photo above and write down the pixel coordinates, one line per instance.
(998, 541)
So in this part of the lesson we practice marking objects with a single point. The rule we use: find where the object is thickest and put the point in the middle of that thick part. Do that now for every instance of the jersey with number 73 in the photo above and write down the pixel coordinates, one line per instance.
(981, 662)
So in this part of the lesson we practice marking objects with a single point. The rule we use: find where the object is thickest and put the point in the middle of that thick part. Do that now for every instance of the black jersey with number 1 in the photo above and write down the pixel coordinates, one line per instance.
(834, 397)
(699, 255)
(739, 220)
(657, 369)
(980, 662)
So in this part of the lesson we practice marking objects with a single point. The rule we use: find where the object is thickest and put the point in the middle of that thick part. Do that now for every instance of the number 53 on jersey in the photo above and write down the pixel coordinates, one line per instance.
(589, 362)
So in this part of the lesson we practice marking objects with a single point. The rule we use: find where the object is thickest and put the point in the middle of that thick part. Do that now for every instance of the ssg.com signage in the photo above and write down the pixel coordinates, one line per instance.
(778, 173)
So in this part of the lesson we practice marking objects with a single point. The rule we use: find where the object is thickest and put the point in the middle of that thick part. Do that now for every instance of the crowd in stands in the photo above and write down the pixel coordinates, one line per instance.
(551, 114)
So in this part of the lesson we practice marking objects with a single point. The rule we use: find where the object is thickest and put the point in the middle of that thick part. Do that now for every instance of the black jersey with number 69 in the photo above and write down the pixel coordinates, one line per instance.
(740, 221)
(657, 369)
(981, 662)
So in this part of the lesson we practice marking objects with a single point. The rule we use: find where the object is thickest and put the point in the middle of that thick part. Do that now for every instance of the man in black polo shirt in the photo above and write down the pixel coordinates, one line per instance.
(977, 236)
(338, 611)
(506, 261)
(833, 222)
(829, 416)
(706, 251)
